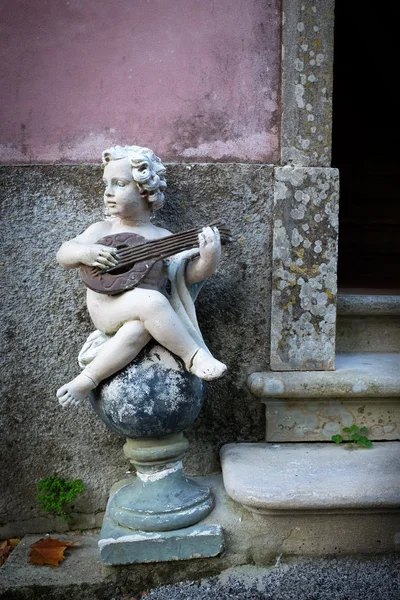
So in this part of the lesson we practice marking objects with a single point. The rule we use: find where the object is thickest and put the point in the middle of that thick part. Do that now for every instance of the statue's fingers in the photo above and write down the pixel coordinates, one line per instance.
(102, 261)
(212, 235)
(202, 239)
(109, 256)
(110, 263)
(108, 249)
(106, 252)
(217, 235)
(206, 234)
(105, 261)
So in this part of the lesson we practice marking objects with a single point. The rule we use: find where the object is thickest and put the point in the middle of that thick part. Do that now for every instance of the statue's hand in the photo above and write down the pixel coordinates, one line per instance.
(210, 252)
(97, 255)
(210, 244)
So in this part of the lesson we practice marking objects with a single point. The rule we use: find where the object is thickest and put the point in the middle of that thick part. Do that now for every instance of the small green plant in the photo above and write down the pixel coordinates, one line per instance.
(56, 495)
(356, 435)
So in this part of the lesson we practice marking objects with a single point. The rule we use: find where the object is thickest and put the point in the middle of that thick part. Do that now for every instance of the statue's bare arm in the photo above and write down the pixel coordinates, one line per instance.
(84, 250)
(210, 253)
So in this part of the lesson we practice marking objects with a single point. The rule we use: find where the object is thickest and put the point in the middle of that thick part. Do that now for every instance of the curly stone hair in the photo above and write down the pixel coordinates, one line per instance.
(147, 171)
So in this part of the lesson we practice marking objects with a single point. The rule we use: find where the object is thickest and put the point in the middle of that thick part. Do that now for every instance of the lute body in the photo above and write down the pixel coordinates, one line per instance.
(137, 259)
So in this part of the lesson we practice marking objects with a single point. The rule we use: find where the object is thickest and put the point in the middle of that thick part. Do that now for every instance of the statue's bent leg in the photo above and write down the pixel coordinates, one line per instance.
(118, 351)
(166, 327)
(115, 354)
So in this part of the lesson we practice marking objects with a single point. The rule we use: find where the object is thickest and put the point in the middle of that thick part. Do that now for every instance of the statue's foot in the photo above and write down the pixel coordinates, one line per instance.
(75, 391)
(206, 366)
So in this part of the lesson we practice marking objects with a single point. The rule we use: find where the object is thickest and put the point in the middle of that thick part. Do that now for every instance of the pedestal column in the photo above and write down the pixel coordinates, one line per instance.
(160, 497)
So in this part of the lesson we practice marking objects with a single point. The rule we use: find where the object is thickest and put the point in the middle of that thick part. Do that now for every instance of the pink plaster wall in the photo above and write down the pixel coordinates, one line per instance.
(196, 80)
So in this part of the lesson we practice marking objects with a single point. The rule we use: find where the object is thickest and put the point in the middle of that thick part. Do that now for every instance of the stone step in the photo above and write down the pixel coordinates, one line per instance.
(368, 303)
(314, 405)
(367, 334)
(290, 479)
(368, 322)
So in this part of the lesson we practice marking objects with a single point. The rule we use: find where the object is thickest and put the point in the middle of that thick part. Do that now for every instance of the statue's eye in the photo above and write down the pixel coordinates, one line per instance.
(120, 183)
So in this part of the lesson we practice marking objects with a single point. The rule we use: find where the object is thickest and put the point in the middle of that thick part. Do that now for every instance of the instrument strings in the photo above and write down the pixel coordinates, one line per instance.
(163, 247)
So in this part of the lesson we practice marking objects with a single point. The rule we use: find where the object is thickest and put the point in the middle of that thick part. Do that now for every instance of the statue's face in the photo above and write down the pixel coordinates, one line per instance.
(121, 196)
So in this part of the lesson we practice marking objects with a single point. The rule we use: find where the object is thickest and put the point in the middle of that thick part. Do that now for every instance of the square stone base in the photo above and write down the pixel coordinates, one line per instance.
(120, 546)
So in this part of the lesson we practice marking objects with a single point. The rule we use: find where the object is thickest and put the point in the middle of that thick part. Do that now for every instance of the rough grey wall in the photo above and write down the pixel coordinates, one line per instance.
(44, 324)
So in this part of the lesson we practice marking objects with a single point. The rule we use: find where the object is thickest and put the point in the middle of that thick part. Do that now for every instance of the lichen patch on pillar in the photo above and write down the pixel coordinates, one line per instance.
(307, 41)
(304, 288)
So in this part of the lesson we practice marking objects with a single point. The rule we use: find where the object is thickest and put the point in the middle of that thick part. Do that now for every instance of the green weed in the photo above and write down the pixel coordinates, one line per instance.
(56, 495)
(355, 435)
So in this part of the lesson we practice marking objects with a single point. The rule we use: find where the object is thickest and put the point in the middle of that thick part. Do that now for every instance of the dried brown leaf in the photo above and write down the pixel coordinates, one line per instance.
(6, 547)
(48, 551)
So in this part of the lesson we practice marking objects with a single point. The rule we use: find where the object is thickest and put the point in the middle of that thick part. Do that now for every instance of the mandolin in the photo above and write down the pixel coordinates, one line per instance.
(137, 259)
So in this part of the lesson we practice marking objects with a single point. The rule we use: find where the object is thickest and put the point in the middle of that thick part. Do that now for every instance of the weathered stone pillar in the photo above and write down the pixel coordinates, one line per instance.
(307, 76)
(306, 194)
(303, 315)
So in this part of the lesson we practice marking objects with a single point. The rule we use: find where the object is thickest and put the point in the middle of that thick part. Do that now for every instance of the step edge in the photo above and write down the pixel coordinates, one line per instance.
(246, 495)
(377, 305)
(321, 512)
(273, 384)
(347, 380)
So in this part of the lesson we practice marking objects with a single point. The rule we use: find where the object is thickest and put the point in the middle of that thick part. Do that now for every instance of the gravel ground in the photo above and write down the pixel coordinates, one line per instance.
(355, 578)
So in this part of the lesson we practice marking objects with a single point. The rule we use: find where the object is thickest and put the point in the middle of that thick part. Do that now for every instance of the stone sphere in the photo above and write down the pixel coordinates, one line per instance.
(153, 396)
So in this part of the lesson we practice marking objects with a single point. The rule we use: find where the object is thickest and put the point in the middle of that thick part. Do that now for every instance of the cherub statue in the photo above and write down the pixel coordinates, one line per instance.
(135, 181)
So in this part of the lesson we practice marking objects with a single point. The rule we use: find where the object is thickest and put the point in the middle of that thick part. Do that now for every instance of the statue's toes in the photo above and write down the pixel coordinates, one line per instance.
(66, 399)
(61, 392)
(206, 367)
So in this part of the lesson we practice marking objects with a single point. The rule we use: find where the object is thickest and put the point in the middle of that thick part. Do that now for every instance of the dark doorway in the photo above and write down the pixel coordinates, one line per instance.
(365, 145)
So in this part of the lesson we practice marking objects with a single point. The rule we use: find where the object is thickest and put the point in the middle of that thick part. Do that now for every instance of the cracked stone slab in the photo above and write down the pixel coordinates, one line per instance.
(304, 274)
(321, 478)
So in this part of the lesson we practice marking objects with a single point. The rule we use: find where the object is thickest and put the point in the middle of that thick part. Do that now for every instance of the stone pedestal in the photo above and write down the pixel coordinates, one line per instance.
(160, 497)
(153, 515)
